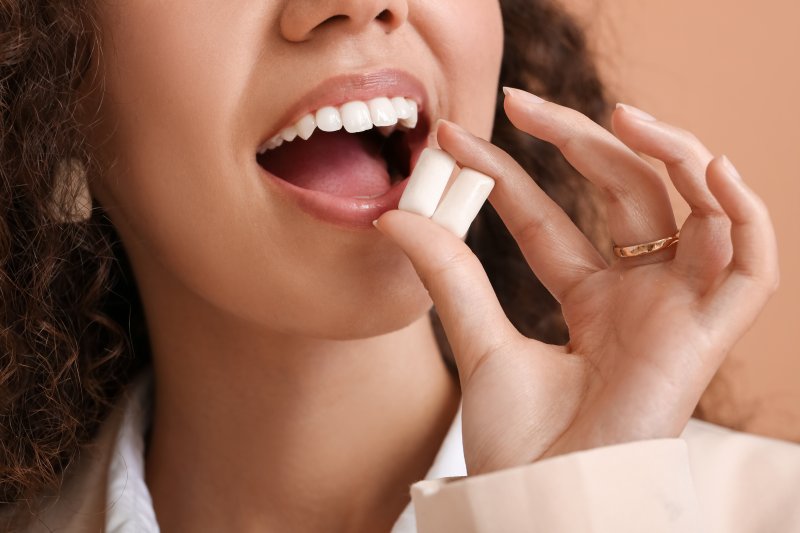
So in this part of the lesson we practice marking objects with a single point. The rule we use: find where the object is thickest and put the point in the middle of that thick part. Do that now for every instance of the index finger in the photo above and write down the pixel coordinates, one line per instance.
(473, 319)
(556, 250)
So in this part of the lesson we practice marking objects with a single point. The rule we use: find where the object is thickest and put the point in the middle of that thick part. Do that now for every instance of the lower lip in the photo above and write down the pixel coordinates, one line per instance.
(351, 213)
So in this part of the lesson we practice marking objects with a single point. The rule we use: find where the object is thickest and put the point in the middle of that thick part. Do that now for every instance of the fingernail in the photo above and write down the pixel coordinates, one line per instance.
(442, 121)
(729, 168)
(435, 131)
(463, 201)
(636, 112)
(523, 95)
(375, 222)
(454, 128)
(427, 182)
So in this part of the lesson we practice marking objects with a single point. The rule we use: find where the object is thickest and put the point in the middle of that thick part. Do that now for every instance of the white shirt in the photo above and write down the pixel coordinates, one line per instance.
(709, 480)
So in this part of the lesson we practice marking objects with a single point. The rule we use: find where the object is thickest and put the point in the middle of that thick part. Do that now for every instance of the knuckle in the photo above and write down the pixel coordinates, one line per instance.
(760, 209)
(454, 262)
(766, 282)
(756, 212)
(622, 191)
(686, 139)
(690, 139)
(573, 129)
(686, 148)
(530, 228)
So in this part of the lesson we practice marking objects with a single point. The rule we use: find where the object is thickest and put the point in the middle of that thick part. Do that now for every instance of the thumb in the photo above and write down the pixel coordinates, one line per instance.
(457, 283)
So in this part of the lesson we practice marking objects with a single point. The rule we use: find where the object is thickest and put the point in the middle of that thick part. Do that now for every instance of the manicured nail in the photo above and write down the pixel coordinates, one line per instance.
(427, 182)
(463, 201)
(729, 168)
(524, 95)
(636, 112)
(454, 128)
(442, 121)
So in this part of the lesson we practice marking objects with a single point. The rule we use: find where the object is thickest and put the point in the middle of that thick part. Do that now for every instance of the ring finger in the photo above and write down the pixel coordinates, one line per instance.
(639, 209)
(706, 246)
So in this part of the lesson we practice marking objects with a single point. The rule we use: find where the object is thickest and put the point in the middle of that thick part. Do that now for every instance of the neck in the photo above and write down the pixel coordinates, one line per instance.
(254, 430)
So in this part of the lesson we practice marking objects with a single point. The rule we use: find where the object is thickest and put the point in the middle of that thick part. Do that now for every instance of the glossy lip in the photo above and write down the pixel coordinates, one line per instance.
(350, 213)
(345, 212)
(338, 90)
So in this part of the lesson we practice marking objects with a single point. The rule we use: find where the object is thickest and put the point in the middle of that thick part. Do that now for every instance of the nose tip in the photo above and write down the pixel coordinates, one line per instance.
(301, 20)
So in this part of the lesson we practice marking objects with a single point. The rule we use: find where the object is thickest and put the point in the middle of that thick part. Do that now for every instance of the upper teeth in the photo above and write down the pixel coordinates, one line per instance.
(356, 116)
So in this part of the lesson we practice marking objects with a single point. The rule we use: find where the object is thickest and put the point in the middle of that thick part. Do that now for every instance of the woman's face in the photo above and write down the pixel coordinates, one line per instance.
(193, 88)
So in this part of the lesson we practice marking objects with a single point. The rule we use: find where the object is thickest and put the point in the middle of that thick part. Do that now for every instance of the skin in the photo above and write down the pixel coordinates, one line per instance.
(282, 345)
(647, 334)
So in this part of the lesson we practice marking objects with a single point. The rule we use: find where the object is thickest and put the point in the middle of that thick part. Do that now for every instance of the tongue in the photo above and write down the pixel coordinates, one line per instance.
(340, 163)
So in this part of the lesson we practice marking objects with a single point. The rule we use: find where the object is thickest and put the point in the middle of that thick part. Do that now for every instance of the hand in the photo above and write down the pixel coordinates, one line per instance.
(647, 333)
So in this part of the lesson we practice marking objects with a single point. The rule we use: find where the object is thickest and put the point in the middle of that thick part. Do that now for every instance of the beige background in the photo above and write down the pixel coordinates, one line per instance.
(730, 73)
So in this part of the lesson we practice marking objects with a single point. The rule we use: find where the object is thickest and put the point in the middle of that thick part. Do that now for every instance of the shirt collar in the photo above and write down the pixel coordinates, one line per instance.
(130, 506)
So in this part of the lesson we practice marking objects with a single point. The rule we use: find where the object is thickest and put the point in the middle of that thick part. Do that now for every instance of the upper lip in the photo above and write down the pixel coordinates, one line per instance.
(337, 90)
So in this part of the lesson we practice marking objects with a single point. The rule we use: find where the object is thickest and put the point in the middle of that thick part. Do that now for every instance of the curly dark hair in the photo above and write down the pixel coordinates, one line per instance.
(72, 328)
(64, 353)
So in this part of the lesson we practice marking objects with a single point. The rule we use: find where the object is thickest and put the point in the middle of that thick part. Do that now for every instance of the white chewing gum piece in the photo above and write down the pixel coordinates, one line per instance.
(463, 201)
(427, 182)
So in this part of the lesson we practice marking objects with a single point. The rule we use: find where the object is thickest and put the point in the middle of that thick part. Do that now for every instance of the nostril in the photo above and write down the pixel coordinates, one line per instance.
(385, 16)
(300, 21)
(334, 18)
(393, 16)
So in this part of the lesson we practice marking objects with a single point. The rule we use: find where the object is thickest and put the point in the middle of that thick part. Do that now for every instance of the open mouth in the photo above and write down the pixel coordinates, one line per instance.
(360, 150)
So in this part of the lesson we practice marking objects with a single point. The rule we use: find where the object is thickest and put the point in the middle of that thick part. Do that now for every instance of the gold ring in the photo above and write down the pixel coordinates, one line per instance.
(636, 250)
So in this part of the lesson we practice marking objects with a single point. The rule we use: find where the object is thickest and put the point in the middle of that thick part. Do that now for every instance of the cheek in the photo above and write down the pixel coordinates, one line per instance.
(173, 73)
(185, 196)
(466, 37)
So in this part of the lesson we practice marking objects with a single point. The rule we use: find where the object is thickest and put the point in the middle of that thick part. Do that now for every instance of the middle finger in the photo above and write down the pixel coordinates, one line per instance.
(559, 254)
(639, 209)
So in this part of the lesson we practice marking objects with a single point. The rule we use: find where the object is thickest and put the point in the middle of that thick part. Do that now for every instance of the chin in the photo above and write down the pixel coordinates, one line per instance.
(369, 312)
